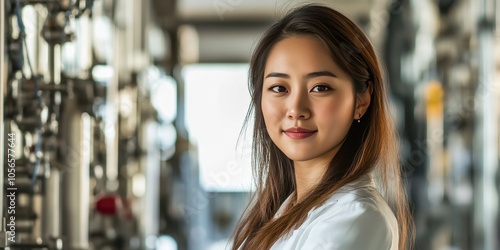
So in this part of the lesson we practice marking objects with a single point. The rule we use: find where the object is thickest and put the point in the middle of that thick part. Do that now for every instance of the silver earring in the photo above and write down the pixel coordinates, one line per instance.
(359, 120)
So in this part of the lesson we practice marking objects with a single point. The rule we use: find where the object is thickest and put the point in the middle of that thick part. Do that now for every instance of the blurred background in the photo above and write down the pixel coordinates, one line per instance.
(121, 118)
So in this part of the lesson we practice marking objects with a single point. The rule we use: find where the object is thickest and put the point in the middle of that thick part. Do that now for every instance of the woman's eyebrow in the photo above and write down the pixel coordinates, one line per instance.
(320, 73)
(310, 75)
(279, 75)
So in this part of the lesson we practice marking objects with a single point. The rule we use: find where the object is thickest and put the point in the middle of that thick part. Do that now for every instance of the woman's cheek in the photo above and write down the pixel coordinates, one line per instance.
(270, 110)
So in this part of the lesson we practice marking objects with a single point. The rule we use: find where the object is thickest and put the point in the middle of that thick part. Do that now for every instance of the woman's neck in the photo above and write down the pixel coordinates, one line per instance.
(307, 176)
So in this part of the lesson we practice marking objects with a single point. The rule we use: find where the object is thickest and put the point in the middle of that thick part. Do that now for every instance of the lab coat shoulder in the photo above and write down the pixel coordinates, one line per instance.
(355, 217)
(353, 222)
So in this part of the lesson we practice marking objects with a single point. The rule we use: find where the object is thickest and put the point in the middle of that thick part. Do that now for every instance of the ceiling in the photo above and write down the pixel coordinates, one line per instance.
(224, 10)
(227, 30)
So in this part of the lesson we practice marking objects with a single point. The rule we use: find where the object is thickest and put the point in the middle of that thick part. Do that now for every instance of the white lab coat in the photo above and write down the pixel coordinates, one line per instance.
(356, 217)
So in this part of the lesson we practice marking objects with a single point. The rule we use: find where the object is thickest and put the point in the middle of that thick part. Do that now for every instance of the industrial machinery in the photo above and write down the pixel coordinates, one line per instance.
(84, 140)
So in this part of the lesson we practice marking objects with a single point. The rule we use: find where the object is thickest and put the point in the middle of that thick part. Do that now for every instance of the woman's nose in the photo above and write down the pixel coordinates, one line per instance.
(298, 107)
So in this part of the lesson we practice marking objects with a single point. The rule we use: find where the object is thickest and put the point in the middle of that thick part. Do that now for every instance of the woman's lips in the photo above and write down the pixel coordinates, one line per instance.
(299, 133)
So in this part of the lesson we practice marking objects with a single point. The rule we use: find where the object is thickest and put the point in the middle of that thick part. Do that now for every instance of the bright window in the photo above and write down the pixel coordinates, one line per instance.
(217, 99)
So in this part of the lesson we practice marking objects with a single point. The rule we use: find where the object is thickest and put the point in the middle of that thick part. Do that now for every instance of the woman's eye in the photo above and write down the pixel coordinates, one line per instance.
(320, 88)
(278, 89)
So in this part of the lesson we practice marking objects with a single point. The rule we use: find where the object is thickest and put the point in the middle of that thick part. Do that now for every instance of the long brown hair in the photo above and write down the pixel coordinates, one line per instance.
(370, 146)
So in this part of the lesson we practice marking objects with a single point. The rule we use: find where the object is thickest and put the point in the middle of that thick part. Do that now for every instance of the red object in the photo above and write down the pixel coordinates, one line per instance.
(108, 205)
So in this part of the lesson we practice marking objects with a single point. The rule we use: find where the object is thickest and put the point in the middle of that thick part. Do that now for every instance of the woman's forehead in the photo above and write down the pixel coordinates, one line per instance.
(301, 55)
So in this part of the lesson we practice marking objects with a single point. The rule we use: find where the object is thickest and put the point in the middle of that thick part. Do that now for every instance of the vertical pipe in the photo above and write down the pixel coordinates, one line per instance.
(84, 43)
(51, 63)
(151, 167)
(111, 118)
(77, 132)
(37, 201)
(486, 136)
(54, 57)
(37, 42)
(51, 204)
(135, 27)
(83, 177)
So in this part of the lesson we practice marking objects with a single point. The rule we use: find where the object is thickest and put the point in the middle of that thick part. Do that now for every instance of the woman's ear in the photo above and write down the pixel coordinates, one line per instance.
(363, 100)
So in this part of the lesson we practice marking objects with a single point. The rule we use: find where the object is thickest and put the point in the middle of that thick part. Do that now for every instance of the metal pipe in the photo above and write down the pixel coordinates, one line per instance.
(149, 226)
(111, 118)
(51, 204)
(51, 63)
(486, 135)
(37, 201)
(76, 192)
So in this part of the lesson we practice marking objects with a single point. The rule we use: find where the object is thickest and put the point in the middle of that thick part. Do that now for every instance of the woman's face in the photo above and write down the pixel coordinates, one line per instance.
(308, 102)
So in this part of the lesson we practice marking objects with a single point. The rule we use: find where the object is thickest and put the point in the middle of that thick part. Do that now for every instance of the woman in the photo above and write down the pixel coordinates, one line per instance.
(324, 149)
